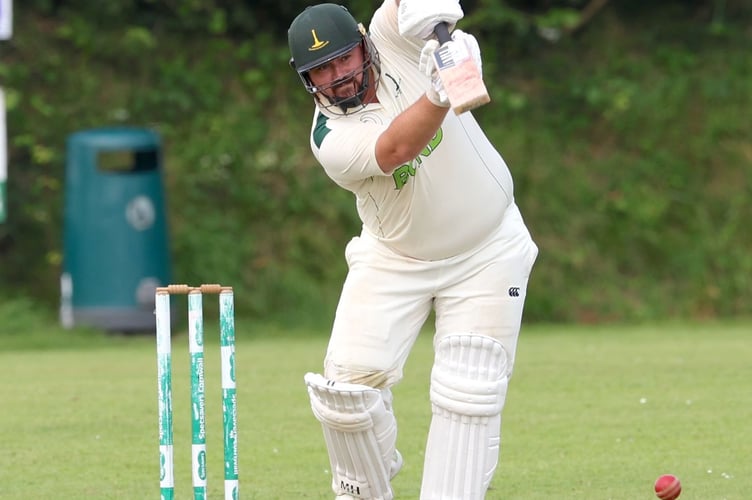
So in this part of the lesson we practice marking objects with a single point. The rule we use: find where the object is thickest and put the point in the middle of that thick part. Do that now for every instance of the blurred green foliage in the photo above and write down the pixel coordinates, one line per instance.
(628, 140)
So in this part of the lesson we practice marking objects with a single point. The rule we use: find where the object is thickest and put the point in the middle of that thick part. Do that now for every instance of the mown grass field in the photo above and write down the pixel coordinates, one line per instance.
(592, 413)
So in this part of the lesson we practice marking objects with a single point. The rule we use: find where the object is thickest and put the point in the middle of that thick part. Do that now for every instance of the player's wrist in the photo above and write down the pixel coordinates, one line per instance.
(436, 98)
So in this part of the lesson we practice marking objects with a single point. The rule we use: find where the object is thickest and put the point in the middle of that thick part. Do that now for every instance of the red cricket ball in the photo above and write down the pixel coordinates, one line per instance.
(667, 487)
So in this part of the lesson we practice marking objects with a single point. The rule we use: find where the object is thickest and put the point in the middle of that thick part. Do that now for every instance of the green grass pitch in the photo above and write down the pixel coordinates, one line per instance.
(593, 412)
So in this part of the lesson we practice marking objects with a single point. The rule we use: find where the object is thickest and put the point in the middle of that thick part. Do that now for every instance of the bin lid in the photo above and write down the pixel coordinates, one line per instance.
(116, 138)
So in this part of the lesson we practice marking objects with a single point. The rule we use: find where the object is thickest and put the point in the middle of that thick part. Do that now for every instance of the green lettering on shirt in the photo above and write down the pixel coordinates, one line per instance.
(402, 174)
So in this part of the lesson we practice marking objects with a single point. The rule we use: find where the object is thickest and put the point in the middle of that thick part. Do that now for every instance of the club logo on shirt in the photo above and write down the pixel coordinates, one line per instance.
(401, 175)
(370, 117)
(317, 44)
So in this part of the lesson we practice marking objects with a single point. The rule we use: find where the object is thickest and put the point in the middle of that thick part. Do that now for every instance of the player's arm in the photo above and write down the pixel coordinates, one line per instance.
(409, 133)
(411, 130)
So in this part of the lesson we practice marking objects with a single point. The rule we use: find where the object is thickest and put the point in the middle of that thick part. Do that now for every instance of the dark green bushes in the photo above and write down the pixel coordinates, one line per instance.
(629, 144)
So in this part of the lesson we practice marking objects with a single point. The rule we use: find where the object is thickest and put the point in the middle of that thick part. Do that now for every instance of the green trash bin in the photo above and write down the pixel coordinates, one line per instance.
(116, 242)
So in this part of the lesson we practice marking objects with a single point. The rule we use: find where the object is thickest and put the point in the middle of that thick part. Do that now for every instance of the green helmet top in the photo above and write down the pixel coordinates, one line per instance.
(321, 33)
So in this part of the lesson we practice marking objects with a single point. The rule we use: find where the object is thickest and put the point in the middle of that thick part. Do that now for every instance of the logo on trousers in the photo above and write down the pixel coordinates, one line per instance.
(514, 291)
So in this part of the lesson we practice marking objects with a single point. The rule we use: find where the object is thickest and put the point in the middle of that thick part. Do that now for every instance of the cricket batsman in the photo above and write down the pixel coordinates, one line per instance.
(441, 232)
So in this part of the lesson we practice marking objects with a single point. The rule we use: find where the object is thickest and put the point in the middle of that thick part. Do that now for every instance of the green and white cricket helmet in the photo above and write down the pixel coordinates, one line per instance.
(322, 33)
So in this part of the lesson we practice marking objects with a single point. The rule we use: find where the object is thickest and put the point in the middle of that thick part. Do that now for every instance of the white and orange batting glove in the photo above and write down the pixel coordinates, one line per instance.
(427, 65)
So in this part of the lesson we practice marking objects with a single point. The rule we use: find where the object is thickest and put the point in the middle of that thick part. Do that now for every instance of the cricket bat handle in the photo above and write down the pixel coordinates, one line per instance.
(442, 33)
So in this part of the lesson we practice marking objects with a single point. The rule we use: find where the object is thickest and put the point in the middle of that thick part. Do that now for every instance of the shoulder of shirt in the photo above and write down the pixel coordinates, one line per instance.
(320, 128)
(324, 123)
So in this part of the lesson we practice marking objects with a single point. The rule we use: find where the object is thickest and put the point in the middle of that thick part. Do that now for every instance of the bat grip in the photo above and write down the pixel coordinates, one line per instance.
(442, 33)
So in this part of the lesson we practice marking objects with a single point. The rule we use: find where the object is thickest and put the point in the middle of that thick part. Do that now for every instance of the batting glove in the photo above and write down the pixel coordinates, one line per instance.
(473, 48)
(418, 18)
(427, 65)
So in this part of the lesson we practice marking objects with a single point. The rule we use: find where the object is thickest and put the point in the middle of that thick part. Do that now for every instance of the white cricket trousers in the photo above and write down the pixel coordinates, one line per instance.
(386, 298)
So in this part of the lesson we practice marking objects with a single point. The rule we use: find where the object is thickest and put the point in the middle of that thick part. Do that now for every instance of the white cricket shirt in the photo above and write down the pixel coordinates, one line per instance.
(444, 202)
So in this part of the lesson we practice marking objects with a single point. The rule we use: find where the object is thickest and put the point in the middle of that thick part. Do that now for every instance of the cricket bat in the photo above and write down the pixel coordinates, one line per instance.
(459, 74)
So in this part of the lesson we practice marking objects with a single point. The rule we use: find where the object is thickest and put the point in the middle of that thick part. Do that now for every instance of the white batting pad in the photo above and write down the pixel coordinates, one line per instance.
(468, 389)
(360, 433)
(417, 18)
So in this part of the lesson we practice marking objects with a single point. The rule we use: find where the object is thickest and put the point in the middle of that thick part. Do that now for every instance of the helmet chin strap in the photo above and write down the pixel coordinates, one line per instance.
(350, 102)
(356, 99)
